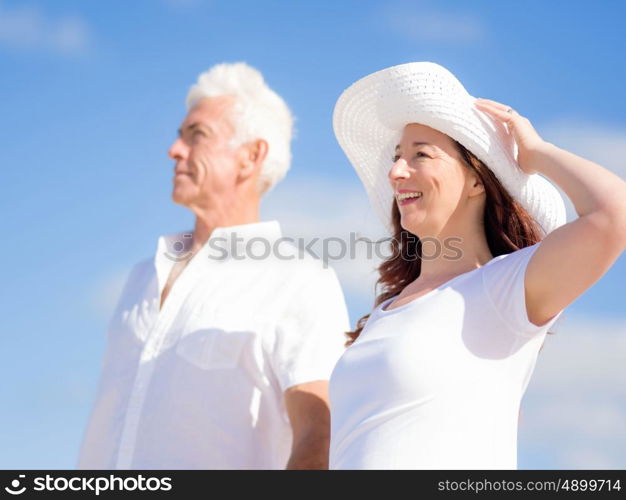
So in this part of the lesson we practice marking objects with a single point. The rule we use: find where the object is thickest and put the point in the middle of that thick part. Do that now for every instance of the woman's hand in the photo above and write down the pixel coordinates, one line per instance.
(527, 139)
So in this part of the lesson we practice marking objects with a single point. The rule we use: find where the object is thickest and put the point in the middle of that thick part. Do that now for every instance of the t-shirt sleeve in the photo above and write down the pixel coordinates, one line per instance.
(503, 282)
(310, 334)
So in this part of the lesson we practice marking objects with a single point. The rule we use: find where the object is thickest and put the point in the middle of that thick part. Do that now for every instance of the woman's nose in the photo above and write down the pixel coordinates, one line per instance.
(399, 170)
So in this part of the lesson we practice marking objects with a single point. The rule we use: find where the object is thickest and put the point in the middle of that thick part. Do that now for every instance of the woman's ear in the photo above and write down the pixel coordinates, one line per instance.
(476, 185)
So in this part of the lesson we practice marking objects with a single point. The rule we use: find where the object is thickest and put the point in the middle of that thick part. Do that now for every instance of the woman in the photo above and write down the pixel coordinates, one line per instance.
(483, 265)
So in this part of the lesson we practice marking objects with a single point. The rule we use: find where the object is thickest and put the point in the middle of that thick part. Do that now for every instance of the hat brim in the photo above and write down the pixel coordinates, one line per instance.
(370, 115)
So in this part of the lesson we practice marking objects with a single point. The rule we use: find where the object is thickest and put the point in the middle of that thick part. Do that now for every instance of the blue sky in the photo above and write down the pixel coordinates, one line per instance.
(93, 93)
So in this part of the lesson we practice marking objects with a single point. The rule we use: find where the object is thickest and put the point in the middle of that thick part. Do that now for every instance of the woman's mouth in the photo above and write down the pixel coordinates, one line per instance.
(407, 197)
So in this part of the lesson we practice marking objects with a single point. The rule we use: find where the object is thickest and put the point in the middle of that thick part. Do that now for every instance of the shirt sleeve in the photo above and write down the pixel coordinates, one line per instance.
(503, 282)
(135, 279)
(96, 450)
(310, 334)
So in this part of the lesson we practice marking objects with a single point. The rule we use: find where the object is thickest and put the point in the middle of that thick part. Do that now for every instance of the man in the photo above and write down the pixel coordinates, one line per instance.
(217, 358)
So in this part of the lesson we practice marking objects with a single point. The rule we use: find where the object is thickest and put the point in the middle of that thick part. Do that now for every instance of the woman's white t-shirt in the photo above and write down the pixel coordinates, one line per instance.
(436, 383)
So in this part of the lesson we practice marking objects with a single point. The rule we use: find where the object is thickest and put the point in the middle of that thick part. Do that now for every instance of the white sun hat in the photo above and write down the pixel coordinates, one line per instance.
(370, 115)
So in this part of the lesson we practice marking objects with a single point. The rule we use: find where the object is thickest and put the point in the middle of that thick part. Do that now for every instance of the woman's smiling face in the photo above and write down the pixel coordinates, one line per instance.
(430, 182)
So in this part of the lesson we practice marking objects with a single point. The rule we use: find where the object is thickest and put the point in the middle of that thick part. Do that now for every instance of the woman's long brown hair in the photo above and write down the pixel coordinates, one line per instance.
(508, 227)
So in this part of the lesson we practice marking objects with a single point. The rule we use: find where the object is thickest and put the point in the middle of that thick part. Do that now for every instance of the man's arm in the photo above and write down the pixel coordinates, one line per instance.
(309, 414)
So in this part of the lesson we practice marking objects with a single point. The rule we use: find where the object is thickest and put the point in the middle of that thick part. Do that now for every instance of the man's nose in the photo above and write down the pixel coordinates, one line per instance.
(399, 170)
(177, 150)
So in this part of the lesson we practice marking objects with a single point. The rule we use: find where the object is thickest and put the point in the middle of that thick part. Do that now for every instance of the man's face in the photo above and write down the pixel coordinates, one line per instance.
(206, 166)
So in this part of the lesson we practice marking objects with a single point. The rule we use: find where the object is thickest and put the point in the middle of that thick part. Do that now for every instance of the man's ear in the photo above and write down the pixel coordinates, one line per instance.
(258, 151)
(253, 156)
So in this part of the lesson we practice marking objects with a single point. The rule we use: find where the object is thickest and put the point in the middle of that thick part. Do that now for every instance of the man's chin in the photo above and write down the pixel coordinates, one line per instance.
(180, 198)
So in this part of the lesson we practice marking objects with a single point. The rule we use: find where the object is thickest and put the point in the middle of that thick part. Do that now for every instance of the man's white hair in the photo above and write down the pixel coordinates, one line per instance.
(258, 113)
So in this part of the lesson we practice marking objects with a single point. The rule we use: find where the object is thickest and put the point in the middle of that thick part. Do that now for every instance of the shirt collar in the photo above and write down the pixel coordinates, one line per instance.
(238, 241)
(224, 240)
(269, 230)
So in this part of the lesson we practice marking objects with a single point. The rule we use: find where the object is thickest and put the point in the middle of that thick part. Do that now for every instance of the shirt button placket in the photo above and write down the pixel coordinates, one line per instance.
(138, 394)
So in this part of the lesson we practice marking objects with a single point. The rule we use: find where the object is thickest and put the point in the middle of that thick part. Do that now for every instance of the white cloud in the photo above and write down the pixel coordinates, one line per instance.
(26, 27)
(325, 208)
(105, 293)
(582, 457)
(591, 351)
(70, 35)
(575, 405)
(603, 144)
(420, 22)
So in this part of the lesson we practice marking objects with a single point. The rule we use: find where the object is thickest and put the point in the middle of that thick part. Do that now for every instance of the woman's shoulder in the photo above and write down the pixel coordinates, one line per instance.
(509, 258)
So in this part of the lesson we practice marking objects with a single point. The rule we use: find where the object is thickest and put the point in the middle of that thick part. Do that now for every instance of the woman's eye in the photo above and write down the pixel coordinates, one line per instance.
(419, 154)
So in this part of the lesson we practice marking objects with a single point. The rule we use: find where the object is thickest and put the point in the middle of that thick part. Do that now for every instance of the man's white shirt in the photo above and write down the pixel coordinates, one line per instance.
(200, 383)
